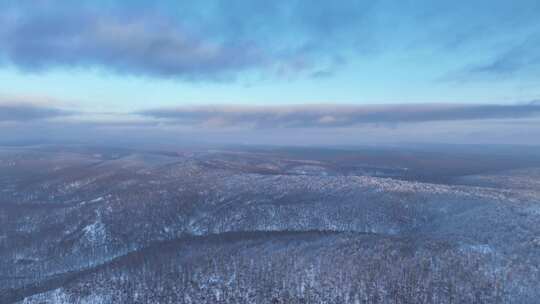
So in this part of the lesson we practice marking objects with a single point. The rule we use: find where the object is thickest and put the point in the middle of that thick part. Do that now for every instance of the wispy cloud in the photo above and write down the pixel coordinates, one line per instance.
(514, 60)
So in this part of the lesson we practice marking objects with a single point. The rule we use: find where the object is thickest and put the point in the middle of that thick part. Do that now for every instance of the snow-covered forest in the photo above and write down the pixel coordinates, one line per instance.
(83, 225)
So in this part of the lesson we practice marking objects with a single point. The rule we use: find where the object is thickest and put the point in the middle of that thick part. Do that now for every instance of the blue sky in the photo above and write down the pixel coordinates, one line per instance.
(119, 60)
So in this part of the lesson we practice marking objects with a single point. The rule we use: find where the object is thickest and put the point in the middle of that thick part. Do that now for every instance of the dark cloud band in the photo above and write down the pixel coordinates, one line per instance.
(19, 112)
(308, 124)
(337, 116)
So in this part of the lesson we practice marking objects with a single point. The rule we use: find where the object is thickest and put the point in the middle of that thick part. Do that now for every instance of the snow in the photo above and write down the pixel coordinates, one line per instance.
(99, 199)
(59, 296)
(479, 248)
(94, 232)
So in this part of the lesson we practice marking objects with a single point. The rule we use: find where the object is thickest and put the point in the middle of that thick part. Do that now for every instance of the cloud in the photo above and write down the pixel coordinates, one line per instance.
(156, 136)
(515, 60)
(24, 112)
(218, 40)
(325, 116)
(277, 125)
(210, 40)
(136, 47)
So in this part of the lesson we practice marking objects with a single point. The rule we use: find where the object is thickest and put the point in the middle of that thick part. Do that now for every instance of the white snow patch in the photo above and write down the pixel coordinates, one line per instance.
(534, 210)
(95, 232)
(479, 248)
(59, 296)
(99, 199)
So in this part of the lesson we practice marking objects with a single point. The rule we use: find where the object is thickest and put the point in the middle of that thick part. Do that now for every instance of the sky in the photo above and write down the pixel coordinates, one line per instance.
(270, 72)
